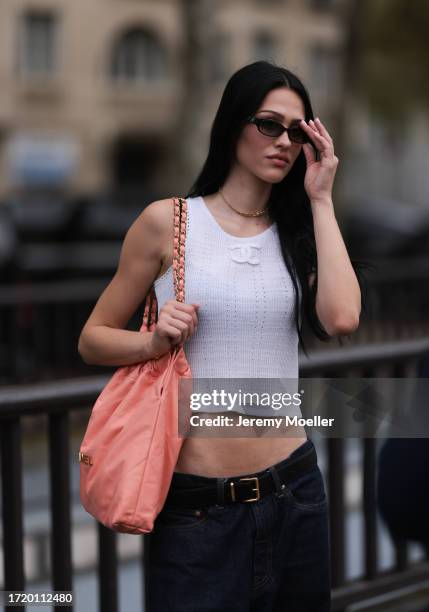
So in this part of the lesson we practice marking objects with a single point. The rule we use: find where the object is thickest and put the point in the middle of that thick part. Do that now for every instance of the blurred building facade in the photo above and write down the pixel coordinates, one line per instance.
(91, 91)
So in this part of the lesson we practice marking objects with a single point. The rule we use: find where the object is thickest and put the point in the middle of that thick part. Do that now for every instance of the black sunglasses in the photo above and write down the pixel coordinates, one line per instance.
(274, 129)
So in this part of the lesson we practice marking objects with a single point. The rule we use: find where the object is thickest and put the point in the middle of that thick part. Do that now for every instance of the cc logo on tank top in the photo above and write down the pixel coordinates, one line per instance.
(245, 253)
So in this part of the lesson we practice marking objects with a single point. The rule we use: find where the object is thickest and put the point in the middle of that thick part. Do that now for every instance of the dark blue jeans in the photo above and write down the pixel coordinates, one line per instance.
(269, 555)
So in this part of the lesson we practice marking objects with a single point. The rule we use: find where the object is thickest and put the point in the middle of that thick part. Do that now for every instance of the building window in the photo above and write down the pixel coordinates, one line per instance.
(325, 69)
(264, 46)
(37, 44)
(138, 56)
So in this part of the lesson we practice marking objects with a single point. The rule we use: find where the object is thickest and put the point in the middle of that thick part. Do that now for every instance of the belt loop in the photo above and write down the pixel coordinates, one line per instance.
(279, 486)
(220, 492)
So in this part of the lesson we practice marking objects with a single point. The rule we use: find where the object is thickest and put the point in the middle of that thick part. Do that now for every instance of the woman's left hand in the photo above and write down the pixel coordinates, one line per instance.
(319, 177)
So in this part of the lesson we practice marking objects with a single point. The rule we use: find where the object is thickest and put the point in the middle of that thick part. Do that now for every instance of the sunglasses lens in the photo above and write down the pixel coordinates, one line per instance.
(270, 128)
(275, 129)
(296, 134)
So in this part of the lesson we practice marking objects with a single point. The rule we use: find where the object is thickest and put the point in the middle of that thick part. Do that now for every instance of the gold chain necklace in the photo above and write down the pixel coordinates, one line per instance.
(257, 213)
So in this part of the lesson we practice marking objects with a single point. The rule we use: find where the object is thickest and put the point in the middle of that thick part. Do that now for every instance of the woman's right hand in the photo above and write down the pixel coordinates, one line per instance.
(176, 323)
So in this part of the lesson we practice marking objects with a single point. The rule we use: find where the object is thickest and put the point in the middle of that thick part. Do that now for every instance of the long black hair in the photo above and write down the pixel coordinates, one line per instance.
(288, 204)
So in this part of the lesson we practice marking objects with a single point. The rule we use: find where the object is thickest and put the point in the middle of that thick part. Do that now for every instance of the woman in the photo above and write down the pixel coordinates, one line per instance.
(245, 524)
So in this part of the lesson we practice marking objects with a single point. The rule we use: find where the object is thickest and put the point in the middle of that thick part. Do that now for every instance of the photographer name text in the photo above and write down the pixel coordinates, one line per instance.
(277, 422)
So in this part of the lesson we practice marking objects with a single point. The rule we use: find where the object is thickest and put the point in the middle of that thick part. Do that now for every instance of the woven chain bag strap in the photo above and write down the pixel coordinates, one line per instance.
(150, 315)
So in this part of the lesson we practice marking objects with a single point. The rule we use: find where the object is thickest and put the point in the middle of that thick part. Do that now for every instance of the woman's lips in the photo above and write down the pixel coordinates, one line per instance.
(278, 162)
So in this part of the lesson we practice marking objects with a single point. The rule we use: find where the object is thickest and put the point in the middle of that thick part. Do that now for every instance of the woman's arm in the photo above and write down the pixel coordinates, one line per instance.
(103, 340)
(338, 297)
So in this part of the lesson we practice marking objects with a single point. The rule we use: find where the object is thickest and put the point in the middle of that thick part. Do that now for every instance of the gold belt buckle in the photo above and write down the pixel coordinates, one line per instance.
(256, 489)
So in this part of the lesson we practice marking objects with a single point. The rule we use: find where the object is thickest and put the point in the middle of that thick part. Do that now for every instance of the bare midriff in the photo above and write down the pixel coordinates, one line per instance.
(222, 455)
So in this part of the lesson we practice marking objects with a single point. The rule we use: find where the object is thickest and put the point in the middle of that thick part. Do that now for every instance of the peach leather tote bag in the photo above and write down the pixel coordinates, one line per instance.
(131, 444)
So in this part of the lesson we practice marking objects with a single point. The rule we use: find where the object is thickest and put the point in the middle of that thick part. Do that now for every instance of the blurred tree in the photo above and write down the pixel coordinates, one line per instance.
(353, 15)
(186, 144)
(395, 58)
(385, 62)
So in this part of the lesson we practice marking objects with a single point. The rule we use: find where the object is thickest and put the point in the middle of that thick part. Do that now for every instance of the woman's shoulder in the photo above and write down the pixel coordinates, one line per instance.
(159, 215)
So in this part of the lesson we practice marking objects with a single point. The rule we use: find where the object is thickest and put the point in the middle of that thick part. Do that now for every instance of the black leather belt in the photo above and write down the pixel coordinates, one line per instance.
(249, 488)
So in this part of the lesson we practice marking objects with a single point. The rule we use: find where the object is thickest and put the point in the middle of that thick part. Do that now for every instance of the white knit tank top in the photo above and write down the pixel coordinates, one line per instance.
(246, 324)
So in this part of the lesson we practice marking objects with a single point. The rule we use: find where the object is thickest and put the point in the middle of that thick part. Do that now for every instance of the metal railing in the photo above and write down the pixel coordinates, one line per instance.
(59, 400)
(40, 323)
(396, 360)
